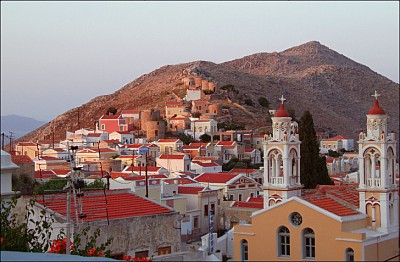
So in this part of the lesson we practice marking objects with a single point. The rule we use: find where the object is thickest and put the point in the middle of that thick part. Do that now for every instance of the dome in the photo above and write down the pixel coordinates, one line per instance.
(376, 109)
(281, 112)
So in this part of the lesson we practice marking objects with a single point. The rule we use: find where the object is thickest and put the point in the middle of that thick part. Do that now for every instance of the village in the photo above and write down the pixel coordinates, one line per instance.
(175, 186)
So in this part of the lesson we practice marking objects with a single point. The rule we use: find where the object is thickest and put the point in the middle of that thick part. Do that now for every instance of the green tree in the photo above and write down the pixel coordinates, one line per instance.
(312, 166)
(205, 138)
(186, 139)
(263, 102)
(249, 102)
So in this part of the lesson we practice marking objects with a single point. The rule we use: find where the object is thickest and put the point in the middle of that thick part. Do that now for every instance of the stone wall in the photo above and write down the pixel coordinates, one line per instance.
(140, 233)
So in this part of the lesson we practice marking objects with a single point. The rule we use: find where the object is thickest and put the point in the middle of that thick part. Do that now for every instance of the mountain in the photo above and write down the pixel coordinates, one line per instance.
(335, 89)
(19, 125)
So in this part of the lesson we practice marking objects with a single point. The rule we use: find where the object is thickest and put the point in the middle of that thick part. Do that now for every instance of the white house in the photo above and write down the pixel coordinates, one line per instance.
(198, 127)
(174, 163)
(202, 167)
(122, 136)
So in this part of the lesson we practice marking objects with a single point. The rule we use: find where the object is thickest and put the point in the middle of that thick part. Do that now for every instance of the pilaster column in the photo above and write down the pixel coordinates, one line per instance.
(361, 171)
(373, 170)
(383, 172)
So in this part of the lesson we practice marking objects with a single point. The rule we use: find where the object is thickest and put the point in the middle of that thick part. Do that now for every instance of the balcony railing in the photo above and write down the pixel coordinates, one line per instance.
(276, 180)
(373, 182)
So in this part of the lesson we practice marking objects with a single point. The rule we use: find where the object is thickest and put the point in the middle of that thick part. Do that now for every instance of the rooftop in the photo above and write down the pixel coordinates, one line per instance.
(215, 177)
(98, 206)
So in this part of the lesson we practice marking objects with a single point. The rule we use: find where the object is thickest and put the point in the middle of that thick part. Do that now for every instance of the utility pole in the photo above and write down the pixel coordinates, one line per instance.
(11, 134)
(147, 186)
(52, 131)
(2, 141)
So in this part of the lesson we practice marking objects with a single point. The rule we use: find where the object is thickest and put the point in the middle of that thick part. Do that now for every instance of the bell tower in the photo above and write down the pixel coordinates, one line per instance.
(281, 159)
(378, 195)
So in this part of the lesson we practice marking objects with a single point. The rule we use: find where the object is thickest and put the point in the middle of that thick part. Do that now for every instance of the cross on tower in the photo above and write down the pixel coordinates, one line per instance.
(376, 95)
(282, 99)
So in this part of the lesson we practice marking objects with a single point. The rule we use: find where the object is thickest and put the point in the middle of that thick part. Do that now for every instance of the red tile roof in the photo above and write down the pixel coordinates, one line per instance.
(110, 117)
(167, 156)
(195, 145)
(94, 134)
(143, 177)
(129, 111)
(255, 205)
(173, 103)
(138, 169)
(50, 158)
(191, 190)
(341, 200)
(26, 144)
(225, 143)
(215, 177)
(115, 175)
(335, 138)
(177, 118)
(167, 140)
(48, 141)
(242, 170)
(180, 180)
(249, 150)
(20, 159)
(118, 204)
(205, 164)
(331, 205)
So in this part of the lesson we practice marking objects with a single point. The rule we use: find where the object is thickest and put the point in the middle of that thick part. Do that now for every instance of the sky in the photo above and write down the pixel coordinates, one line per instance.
(59, 55)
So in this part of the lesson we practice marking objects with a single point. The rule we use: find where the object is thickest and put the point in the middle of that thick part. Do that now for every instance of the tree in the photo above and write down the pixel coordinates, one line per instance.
(249, 102)
(186, 139)
(312, 167)
(205, 138)
(111, 111)
(263, 102)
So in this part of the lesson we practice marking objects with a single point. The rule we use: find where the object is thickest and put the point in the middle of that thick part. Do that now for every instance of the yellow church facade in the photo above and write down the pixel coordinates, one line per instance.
(358, 222)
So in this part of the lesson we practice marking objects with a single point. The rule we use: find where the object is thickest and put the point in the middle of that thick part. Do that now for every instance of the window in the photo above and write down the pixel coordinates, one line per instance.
(231, 197)
(283, 241)
(195, 222)
(244, 250)
(296, 219)
(103, 127)
(205, 210)
(213, 208)
(121, 128)
(142, 254)
(164, 250)
(251, 195)
(309, 243)
(240, 197)
(349, 254)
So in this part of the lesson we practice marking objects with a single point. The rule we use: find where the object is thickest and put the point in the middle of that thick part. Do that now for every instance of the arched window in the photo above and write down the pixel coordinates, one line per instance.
(349, 254)
(244, 250)
(283, 242)
(308, 243)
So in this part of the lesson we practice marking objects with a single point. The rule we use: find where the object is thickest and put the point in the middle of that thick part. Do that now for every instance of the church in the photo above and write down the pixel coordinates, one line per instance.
(337, 223)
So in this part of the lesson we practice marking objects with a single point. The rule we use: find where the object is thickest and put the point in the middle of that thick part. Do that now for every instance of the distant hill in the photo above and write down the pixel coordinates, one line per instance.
(311, 76)
(19, 125)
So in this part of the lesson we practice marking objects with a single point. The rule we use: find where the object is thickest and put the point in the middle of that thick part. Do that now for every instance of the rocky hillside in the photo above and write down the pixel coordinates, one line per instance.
(311, 76)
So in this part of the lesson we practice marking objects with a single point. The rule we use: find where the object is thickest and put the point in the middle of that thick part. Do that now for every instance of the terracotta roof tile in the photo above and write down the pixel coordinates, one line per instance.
(20, 159)
(189, 190)
(167, 156)
(118, 204)
(215, 177)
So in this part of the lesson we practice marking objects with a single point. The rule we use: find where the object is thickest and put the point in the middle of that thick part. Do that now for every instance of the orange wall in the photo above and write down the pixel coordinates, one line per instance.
(263, 246)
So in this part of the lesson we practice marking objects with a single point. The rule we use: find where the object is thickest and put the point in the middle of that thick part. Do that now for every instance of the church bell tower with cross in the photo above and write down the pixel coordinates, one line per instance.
(281, 159)
(378, 196)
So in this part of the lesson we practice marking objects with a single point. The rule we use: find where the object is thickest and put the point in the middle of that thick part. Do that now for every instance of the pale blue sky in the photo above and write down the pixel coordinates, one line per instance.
(59, 55)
